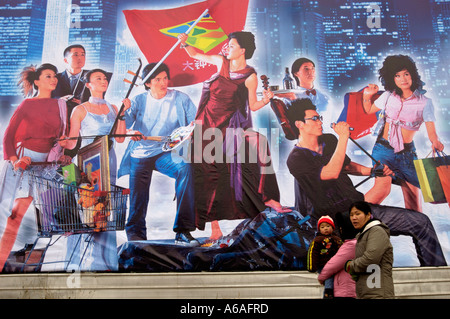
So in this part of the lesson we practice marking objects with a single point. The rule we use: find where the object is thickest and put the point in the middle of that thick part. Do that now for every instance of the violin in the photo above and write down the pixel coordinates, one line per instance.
(280, 110)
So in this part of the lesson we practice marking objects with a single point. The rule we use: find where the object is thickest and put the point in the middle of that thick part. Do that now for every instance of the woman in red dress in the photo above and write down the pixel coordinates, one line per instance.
(232, 185)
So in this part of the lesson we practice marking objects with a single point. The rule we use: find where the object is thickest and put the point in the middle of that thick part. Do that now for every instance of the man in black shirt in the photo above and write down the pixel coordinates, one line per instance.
(320, 166)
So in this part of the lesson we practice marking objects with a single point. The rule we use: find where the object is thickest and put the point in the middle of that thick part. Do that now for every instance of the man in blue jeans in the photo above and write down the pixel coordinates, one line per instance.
(158, 112)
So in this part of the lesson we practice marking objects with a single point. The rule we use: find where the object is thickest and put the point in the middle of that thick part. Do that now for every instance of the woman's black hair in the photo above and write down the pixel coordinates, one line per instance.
(394, 64)
(149, 67)
(297, 65)
(45, 66)
(31, 74)
(246, 40)
(344, 225)
(39, 70)
(87, 76)
(362, 206)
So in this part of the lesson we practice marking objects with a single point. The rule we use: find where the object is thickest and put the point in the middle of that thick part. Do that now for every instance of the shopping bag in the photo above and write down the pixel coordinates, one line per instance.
(443, 171)
(430, 183)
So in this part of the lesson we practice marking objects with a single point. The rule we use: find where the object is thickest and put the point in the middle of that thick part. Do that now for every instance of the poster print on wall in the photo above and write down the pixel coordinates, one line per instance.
(323, 31)
(93, 160)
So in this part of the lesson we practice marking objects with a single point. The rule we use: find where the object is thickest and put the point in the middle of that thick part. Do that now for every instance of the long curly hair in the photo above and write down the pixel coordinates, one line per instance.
(30, 74)
(394, 64)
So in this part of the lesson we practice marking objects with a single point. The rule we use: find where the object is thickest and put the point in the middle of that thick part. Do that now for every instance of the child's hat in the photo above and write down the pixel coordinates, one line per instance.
(325, 219)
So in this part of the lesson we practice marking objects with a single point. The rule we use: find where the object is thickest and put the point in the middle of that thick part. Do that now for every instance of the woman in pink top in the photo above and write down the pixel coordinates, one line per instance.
(405, 109)
(344, 285)
(29, 137)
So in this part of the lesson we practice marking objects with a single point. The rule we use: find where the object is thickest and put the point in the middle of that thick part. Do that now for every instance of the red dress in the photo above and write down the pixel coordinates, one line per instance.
(235, 187)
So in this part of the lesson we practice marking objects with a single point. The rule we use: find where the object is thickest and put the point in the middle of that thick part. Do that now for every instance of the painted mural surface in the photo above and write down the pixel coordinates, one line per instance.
(229, 184)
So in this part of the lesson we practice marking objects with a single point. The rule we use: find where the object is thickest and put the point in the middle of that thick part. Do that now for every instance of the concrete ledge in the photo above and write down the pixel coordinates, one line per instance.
(422, 282)
(425, 283)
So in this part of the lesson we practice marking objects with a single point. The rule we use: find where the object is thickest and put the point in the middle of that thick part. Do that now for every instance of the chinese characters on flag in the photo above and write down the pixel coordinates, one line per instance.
(156, 31)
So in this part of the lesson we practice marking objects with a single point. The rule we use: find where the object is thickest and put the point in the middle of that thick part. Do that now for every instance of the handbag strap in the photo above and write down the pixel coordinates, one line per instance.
(63, 115)
(437, 152)
(443, 158)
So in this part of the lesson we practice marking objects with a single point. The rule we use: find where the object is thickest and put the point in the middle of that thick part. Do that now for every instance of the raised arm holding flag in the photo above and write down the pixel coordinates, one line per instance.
(228, 98)
(207, 23)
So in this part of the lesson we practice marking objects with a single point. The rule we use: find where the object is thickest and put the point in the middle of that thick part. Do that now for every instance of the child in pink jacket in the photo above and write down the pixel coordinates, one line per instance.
(344, 285)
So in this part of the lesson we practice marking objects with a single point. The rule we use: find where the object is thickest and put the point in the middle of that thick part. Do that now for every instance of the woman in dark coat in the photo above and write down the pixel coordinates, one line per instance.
(372, 266)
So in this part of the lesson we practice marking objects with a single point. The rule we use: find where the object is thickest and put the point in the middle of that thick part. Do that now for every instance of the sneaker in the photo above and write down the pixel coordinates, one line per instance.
(186, 239)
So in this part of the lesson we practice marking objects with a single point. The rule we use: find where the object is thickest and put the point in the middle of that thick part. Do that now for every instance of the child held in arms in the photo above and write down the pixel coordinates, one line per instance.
(324, 246)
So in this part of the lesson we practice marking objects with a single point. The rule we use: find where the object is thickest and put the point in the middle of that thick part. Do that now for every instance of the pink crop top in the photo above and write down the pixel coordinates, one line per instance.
(408, 114)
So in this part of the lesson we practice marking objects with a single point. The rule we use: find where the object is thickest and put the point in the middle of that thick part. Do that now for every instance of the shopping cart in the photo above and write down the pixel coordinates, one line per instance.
(65, 209)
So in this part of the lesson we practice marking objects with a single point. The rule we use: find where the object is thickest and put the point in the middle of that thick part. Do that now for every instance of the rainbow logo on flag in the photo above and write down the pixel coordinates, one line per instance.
(205, 36)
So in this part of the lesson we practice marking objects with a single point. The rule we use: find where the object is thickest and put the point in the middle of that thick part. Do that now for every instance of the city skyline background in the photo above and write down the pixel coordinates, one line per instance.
(334, 33)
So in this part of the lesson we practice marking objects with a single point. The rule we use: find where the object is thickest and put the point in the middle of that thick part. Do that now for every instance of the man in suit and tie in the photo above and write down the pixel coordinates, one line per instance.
(70, 86)
(70, 82)
(304, 73)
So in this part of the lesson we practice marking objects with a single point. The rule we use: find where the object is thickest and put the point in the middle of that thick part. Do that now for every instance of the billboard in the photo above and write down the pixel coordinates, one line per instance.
(243, 213)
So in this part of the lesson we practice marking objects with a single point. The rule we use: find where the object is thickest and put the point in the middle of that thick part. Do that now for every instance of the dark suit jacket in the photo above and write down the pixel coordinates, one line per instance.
(63, 87)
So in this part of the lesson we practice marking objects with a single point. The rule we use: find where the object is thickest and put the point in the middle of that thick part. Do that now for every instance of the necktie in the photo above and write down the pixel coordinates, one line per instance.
(313, 92)
(73, 81)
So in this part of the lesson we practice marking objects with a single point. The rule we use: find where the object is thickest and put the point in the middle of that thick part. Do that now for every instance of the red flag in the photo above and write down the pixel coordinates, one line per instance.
(353, 113)
(156, 31)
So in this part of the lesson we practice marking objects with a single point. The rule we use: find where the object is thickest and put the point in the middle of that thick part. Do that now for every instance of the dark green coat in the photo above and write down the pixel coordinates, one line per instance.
(374, 249)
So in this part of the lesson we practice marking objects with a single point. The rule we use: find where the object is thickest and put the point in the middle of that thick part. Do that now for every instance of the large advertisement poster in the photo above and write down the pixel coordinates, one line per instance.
(203, 169)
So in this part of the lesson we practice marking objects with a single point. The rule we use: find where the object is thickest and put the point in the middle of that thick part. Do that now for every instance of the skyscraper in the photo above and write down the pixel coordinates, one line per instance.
(440, 16)
(56, 37)
(357, 36)
(93, 25)
(21, 41)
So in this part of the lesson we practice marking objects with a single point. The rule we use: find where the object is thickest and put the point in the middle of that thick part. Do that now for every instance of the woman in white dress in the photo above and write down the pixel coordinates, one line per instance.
(96, 118)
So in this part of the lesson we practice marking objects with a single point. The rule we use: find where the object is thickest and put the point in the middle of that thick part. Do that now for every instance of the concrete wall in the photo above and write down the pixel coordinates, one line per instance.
(424, 283)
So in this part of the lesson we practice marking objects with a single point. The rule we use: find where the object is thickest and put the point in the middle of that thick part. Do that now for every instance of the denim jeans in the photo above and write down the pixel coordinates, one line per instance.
(140, 179)
(329, 282)
(401, 163)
